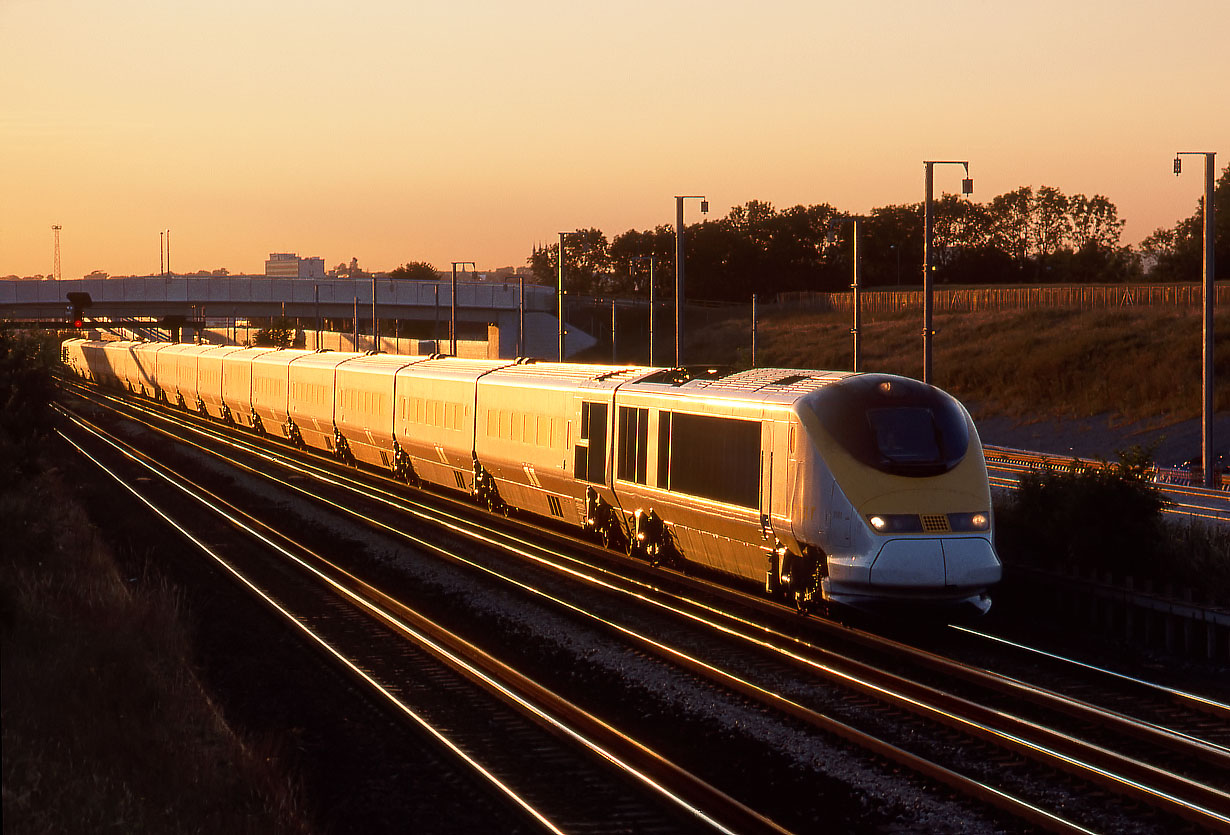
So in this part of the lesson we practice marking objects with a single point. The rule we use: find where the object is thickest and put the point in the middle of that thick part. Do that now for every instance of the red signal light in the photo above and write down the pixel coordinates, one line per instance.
(78, 323)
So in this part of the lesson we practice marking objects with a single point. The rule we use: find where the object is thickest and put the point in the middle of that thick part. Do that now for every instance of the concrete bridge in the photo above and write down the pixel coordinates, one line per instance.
(424, 307)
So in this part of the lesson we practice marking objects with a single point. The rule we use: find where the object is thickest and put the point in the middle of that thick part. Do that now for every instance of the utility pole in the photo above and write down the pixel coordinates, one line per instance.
(559, 306)
(1209, 272)
(753, 330)
(652, 300)
(967, 188)
(521, 316)
(679, 282)
(856, 286)
(375, 321)
(452, 328)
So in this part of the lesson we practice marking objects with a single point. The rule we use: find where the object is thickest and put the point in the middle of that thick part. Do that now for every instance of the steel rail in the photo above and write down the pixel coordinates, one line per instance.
(966, 785)
(687, 791)
(1185, 697)
(399, 501)
(1144, 791)
(321, 643)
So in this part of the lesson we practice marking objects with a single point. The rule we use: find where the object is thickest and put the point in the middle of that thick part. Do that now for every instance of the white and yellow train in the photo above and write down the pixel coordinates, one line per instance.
(860, 489)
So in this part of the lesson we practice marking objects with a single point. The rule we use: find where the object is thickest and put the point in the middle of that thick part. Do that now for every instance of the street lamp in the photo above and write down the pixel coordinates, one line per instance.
(967, 188)
(452, 322)
(857, 221)
(704, 209)
(1206, 411)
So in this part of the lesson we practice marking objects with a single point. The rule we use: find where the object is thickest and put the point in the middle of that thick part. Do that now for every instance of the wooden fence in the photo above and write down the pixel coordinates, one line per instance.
(1081, 297)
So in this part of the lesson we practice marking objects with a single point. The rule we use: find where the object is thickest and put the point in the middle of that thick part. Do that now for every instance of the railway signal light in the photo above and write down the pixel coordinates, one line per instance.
(79, 302)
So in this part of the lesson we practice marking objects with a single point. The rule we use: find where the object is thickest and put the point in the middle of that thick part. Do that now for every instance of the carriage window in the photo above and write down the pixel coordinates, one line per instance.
(633, 444)
(590, 455)
(711, 457)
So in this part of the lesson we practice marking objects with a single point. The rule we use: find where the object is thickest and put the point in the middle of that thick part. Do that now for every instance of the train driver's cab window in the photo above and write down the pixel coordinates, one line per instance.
(590, 460)
(905, 435)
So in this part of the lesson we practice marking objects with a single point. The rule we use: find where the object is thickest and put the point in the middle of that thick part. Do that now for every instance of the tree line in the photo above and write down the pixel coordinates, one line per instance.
(1026, 236)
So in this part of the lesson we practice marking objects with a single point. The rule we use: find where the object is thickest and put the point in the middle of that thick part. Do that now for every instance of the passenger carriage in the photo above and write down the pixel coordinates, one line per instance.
(209, 376)
(237, 386)
(310, 397)
(365, 412)
(434, 419)
(270, 392)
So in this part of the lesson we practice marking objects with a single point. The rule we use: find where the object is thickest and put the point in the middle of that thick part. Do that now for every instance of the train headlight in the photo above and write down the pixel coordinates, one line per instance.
(895, 522)
(978, 521)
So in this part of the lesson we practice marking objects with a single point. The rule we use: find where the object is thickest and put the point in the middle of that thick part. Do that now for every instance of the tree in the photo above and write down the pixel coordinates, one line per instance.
(630, 271)
(1008, 224)
(1043, 235)
(415, 271)
(1095, 222)
(893, 238)
(1176, 254)
(279, 334)
(587, 262)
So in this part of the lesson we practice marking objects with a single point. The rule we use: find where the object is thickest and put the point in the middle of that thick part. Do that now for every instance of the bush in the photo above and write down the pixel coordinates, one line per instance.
(26, 392)
(1104, 515)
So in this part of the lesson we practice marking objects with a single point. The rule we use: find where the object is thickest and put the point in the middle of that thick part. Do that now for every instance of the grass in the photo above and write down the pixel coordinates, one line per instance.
(105, 726)
(1132, 363)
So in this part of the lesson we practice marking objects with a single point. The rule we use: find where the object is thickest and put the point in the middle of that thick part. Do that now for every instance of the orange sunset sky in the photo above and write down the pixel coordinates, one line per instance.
(397, 130)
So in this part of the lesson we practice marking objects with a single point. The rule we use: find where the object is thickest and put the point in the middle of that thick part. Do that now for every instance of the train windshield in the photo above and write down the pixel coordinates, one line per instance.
(894, 424)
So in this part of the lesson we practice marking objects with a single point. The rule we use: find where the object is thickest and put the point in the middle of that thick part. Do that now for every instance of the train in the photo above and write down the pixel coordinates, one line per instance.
(863, 490)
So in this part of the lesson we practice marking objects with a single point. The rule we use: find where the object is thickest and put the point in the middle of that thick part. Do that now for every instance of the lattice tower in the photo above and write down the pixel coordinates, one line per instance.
(55, 269)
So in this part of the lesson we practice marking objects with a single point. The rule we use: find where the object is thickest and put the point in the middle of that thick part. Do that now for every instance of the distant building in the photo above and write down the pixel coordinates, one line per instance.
(290, 265)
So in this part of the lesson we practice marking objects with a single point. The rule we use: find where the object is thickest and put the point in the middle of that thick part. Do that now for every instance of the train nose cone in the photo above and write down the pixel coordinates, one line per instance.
(936, 563)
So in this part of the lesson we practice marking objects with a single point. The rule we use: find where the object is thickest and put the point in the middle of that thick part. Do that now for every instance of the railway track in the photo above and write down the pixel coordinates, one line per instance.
(1005, 465)
(564, 769)
(952, 722)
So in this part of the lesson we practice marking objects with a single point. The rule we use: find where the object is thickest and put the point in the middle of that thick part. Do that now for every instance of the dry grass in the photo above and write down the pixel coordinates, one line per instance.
(1135, 363)
(105, 726)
